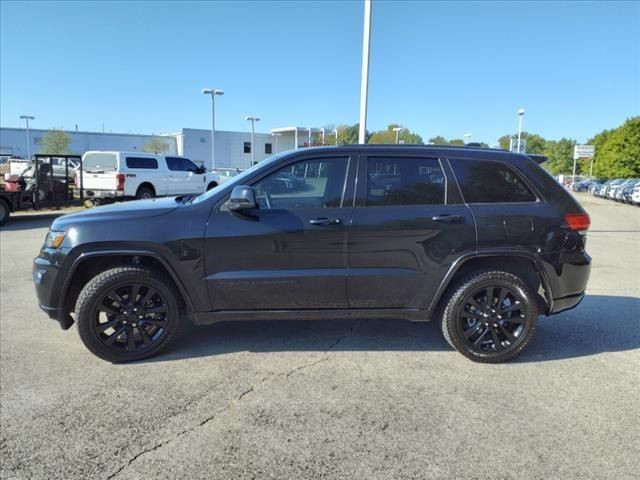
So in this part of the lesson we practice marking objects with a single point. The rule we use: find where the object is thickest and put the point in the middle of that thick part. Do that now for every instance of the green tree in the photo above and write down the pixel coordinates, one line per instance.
(618, 151)
(438, 140)
(156, 145)
(560, 154)
(388, 136)
(348, 135)
(55, 142)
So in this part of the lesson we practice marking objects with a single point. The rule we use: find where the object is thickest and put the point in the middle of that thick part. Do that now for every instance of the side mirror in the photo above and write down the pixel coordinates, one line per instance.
(242, 198)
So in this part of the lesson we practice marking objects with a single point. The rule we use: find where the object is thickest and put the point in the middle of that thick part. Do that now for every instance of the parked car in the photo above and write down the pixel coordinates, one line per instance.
(613, 188)
(627, 191)
(604, 192)
(222, 175)
(635, 195)
(481, 240)
(584, 185)
(118, 175)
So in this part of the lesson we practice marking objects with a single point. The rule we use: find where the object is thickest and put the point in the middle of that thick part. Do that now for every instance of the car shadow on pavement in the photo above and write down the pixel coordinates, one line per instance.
(600, 324)
(29, 222)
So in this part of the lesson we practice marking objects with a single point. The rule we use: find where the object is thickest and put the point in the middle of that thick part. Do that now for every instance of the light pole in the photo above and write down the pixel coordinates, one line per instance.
(364, 80)
(276, 135)
(335, 132)
(253, 119)
(397, 130)
(213, 92)
(26, 118)
(467, 136)
(520, 115)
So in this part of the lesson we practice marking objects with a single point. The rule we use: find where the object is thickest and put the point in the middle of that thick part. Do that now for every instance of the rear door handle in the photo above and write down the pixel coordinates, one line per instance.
(448, 218)
(324, 221)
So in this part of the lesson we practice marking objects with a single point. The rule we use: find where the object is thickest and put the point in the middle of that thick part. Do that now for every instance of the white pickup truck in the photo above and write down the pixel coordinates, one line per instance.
(141, 175)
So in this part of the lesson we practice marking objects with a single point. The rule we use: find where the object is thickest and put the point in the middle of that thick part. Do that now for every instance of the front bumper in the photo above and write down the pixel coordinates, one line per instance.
(45, 275)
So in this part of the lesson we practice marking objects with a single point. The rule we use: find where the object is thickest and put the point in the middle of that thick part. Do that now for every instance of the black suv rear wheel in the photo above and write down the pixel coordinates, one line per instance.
(490, 316)
(127, 313)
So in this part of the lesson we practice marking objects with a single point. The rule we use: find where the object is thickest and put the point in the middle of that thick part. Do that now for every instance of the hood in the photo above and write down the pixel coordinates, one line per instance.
(118, 211)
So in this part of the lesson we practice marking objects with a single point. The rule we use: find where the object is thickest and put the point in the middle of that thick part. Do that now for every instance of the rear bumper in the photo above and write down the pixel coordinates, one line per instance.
(93, 193)
(566, 303)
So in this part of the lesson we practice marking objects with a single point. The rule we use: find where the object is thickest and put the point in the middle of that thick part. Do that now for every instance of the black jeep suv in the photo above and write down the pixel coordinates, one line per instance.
(481, 240)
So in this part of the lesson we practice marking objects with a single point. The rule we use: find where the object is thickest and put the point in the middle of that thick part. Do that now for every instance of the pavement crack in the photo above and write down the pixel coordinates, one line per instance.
(181, 433)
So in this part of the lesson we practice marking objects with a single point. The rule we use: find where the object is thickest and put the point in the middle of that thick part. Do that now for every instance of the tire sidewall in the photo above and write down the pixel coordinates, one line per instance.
(87, 312)
(144, 193)
(4, 212)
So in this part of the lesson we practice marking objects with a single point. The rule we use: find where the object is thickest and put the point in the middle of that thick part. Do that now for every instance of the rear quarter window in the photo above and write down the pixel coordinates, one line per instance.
(142, 162)
(483, 181)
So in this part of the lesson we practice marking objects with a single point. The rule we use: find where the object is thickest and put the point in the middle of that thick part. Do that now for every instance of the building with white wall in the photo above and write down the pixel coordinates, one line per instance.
(233, 149)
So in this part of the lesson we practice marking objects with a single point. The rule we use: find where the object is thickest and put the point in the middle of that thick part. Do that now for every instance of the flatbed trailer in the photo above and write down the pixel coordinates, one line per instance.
(44, 190)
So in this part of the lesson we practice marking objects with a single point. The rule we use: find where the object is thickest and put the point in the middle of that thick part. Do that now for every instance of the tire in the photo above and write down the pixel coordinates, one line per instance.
(109, 322)
(145, 193)
(5, 212)
(211, 185)
(484, 333)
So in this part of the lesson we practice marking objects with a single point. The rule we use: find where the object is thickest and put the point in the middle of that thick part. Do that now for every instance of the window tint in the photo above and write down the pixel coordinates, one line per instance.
(404, 181)
(99, 161)
(490, 182)
(306, 184)
(180, 164)
(142, 162)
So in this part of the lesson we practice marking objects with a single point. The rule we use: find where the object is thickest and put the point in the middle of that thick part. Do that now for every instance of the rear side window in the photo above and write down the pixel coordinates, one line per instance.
(490, 182)
(100, 161)
(142, 162)
(404, 181)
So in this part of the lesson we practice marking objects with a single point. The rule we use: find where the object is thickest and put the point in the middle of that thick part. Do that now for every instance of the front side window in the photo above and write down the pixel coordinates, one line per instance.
(404, 181)
(181, 164)
(484, 181)
(142, 162)
(317, 183)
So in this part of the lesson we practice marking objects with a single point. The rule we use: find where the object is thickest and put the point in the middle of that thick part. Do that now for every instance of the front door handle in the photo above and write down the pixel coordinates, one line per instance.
(448, 218)
(324, 221)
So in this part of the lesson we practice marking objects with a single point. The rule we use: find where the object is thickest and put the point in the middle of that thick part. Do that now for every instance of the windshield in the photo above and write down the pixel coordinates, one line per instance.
(238, 179)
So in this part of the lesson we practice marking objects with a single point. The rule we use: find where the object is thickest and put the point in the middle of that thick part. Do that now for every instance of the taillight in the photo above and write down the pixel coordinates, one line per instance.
(578, 221)
(120, 181)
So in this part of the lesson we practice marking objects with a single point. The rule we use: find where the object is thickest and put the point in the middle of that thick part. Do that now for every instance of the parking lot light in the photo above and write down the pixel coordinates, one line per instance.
(397, 130)
(253, 119)
(26, 118)
(520, 115)
(213, 92)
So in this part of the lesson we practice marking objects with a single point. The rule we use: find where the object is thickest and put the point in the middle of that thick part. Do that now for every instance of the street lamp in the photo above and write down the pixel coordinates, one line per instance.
(276, 135)
(397, 130)
(213, 92)
(364, 76)
(467, 136)
(26, 118)
(253, 119)
(520, 115)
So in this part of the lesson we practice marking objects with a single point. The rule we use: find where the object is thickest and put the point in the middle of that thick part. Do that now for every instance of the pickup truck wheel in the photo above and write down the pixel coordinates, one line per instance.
(211, 185)
(144, 193)
(490, 316)
(127, 313)
(5, 212)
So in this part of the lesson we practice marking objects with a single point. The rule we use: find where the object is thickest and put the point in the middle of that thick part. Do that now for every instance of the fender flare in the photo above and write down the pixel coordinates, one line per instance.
(460, 261)
(83, 257)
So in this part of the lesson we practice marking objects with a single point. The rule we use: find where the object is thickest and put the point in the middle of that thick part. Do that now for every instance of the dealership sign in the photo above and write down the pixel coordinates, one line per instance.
(583, 151)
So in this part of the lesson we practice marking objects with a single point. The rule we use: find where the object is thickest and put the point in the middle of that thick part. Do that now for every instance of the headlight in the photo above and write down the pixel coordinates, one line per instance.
(54, 239)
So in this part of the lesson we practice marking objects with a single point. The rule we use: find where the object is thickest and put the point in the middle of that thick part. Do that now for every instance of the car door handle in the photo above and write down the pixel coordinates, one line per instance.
(324, 221)
(448, 218)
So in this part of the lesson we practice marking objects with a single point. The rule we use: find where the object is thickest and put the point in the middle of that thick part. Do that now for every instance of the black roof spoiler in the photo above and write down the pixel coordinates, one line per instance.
(538, 158)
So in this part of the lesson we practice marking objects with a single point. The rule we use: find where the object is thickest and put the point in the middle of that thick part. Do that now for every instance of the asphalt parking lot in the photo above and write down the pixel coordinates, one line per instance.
(306, 400)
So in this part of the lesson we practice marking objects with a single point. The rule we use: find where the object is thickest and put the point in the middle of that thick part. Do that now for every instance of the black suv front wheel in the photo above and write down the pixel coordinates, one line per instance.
(490, 316)
(127, 313)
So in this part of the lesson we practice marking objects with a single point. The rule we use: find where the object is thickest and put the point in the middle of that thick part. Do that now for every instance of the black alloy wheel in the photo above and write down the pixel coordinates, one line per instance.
(128, 313)
(131, 317)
